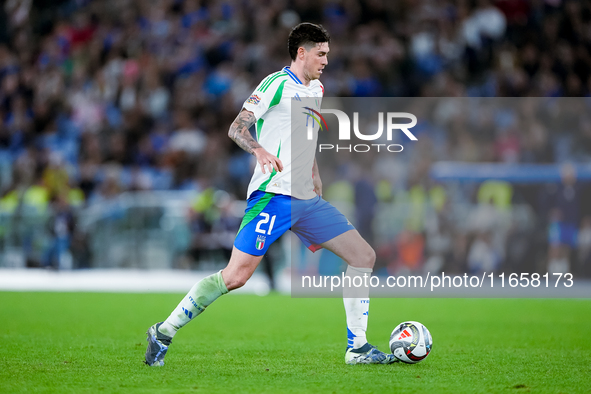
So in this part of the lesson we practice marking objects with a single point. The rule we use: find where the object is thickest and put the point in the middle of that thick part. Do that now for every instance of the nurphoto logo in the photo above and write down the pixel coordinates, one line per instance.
(344, 132)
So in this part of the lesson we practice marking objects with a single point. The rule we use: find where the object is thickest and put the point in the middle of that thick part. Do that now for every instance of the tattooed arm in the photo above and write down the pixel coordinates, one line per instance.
(240, 134)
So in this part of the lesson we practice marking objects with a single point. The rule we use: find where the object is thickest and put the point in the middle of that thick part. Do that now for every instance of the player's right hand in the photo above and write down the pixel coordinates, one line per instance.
(268, 160)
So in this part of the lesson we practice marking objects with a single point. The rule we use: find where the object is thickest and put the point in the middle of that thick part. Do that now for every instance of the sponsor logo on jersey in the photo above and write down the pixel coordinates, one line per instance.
(297, 97)
(260, 242)
(254, 99)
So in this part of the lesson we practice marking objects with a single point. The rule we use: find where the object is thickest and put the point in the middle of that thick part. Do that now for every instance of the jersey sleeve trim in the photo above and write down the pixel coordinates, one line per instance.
(274, 101)
(260, 100)
(265, 80)
(270, 81)
(278, 94)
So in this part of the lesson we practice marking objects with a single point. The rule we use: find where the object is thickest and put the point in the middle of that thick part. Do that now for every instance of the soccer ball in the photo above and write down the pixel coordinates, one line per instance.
(411, 342)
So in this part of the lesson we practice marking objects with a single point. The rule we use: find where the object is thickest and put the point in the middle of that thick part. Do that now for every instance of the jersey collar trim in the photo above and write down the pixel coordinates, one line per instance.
(292, 75)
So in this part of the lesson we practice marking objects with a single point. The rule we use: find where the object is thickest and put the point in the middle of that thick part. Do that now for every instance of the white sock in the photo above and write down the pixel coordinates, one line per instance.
(206, 291)
(356, 300)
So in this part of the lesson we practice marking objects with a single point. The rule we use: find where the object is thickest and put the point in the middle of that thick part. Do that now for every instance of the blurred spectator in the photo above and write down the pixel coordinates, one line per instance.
(564, 221)
(583, 263)
(187, 138)
(61, 227)
(482, 256)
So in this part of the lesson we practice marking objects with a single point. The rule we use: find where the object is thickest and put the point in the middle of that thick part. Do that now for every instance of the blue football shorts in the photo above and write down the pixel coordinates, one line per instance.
(268, 216)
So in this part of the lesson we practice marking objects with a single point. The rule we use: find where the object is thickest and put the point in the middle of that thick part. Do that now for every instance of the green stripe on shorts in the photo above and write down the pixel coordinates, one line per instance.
(256, 209)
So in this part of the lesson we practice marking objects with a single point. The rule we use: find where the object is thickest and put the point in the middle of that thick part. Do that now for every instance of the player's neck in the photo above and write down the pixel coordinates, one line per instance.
(298, 70)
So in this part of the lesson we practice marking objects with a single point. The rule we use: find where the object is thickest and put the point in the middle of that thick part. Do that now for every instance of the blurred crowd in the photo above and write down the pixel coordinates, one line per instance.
(102, 97)
(502, 204)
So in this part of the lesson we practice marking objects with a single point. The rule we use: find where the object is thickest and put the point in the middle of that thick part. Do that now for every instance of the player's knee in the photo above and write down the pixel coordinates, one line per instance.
(235, 282)
(368, 258)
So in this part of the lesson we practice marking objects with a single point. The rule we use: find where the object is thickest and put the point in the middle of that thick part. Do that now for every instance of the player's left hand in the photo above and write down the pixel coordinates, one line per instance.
(267, 159)
(318, 185)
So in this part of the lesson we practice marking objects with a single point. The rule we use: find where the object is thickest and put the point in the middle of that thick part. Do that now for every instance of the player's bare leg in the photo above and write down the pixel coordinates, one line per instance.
(360, 258)
(351, 247)
(239, 269)
(202, 294)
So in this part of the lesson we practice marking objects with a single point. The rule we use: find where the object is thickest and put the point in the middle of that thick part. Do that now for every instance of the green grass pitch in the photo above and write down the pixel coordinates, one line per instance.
(93, 342)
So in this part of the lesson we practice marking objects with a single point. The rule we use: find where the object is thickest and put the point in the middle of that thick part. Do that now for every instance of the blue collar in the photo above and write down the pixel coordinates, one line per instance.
(292, 75)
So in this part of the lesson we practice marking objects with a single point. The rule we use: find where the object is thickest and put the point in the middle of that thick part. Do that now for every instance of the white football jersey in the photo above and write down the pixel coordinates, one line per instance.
(271, 103)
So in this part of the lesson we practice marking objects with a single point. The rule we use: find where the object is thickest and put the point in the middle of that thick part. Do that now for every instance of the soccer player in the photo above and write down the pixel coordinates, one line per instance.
(274, 206)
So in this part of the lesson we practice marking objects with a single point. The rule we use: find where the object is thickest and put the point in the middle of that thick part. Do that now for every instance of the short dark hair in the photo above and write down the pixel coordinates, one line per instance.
(305, 34)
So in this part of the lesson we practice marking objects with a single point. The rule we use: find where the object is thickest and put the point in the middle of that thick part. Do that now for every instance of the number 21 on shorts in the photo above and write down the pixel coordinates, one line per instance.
(265, 220)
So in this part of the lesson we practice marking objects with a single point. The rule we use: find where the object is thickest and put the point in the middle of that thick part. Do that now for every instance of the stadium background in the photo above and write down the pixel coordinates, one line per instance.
(115, 167)
(114, 150)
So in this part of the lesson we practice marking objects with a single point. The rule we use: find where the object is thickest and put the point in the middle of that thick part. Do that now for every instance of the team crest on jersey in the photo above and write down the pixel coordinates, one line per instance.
(260, 242)
(254, 99)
